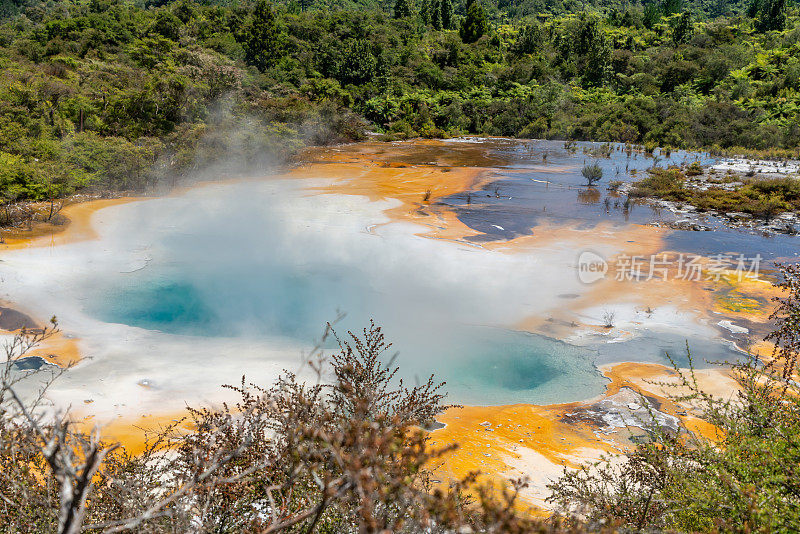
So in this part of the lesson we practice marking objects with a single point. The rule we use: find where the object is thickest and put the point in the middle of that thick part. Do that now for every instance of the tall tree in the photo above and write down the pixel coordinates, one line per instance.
(402, 9)
(594, 50)
(425, 12)
(528, 40)
(670, 7)
(261, 38)
(683, 29)
(476, 23)
(436, 15)
(446, 14)
(168, 25)
(651, 15)
(768, 14)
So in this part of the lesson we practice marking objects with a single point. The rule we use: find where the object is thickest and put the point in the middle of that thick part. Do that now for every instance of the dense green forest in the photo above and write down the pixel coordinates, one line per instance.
(120, 94)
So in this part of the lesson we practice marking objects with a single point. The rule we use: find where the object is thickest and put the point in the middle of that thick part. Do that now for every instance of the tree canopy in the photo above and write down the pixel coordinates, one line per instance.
(169, 85)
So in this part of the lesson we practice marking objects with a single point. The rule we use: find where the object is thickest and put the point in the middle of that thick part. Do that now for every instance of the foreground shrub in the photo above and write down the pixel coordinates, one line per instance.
(741, 479)
(347, 454)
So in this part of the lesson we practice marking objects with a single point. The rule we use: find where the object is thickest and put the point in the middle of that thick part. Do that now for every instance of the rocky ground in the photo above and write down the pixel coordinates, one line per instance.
(729, 175)
(689, 218)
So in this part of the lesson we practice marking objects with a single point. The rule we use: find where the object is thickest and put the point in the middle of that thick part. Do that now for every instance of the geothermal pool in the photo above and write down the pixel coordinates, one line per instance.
(180, 294)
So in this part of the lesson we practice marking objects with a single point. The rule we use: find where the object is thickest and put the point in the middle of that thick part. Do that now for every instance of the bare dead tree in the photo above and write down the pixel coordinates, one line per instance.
(31, 432)
(73, 458)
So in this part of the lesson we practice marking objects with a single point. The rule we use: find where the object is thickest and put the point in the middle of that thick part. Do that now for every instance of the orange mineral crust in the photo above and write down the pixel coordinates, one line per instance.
(77, 226)
(508, 442)
(416, 188)
(538, 442)
(135, 434)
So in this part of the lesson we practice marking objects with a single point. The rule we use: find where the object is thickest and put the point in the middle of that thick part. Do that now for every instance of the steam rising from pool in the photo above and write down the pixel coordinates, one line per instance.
(182, 294)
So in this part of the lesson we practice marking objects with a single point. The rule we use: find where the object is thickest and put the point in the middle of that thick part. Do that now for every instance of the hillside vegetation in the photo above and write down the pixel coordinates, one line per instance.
(116, 94)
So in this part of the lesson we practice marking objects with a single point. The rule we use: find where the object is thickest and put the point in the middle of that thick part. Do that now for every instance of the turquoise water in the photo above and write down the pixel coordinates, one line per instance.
(502, 367)
(481, 365)
(265, 263)
(174, 307)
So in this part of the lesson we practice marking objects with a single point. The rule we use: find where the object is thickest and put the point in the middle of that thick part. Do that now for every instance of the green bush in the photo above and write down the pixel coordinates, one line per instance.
(741, 478)
(761, 197)
(593, 173)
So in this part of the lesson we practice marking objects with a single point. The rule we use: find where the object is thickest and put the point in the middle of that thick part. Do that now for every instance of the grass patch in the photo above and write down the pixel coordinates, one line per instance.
(764, 198)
